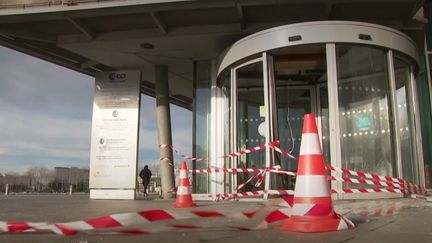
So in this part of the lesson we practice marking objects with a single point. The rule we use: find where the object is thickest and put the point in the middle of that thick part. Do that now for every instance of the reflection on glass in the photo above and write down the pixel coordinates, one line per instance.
(201, 116)
(298, 71)
(226, 93)
(324, 116)
(364, 110)
(403, 103)
(250, 119)
(292, 104)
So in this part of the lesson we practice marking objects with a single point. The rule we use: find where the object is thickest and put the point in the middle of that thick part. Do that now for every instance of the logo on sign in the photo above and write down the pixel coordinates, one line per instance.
(116, 76)
(115, 113)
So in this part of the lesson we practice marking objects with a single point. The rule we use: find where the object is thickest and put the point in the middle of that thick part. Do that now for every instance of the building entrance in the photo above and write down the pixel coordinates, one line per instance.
(290, 88)
(360, 86)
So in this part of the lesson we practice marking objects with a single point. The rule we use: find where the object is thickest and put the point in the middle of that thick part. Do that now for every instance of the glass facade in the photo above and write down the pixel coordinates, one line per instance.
(250, 119)
(298, 84)
(365, 110)
(362, 95)
(201, 119)
(404, 120)
(424, 96)
(298, 72)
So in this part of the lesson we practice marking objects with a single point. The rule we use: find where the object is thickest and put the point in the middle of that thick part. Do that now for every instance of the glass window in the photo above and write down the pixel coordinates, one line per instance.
(201, 117)
(425, 116)
(364, 110)
(226, 94)
(403, 102)
(250, 119)
(298, 72)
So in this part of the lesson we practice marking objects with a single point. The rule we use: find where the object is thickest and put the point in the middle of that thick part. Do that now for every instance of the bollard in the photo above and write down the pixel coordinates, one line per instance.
(70, 189)
(7, 189)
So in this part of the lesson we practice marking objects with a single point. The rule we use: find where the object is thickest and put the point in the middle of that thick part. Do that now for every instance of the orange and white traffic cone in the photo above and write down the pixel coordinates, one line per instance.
(313, 208)
(184, 190)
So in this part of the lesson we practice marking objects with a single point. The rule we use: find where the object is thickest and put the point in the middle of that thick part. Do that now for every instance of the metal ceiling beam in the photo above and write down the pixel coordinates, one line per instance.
(29, 35)
(240, 15)
(83, 28)
(158, 21)
(329, 7)
(89, 63)
(228, 29)
(22, 47)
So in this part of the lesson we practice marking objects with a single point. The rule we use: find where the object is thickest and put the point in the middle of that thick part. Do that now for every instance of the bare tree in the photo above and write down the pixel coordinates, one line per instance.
(39, 177)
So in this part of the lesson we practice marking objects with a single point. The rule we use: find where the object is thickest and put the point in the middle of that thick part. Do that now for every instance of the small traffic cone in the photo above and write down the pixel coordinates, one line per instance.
(184, 190)
(312, 207)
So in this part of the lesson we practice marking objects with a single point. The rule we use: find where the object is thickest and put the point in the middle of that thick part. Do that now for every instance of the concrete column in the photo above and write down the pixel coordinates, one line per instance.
(70, 189)
(7, 190)
(164, 129)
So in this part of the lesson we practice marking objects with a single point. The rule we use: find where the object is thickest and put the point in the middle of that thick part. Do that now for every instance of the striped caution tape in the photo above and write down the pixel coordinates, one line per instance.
(273, 145)
(283, 152)
(228, 196)
(250, 150)
(364, 181)
(409, 187)
(366, 190)
(117, 222)
(156, 220)
(185, 156)
(365, 175)
(240, 170)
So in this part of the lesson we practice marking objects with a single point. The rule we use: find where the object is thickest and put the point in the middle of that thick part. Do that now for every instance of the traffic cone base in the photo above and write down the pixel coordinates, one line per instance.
(184, 202)
(313, 224)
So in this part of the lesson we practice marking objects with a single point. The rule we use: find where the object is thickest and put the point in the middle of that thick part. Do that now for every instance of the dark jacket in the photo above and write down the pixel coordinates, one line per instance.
(145, 174)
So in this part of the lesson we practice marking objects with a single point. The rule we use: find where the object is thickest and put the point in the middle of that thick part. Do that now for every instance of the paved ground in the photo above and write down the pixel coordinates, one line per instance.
(391, 220)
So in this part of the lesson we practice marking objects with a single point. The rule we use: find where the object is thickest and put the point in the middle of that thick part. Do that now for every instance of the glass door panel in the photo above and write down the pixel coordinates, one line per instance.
(250, 120)
(291, 105)
(364, 110)
(402, 76)
(298, 72)
(323, 120)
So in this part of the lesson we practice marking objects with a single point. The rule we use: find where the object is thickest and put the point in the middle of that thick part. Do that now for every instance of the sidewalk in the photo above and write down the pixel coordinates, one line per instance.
(390, 220)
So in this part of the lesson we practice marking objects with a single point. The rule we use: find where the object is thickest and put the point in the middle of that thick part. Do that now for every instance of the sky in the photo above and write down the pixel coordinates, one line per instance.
(46, 113)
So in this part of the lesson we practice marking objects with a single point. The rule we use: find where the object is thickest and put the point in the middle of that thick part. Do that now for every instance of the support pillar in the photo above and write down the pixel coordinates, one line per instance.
(164, 130)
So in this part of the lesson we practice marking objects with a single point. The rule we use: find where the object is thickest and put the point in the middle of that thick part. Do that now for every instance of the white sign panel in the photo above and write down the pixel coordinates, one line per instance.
(114, 142)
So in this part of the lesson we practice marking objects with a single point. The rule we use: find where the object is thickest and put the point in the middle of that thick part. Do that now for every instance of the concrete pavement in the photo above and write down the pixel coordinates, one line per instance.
(389, 220)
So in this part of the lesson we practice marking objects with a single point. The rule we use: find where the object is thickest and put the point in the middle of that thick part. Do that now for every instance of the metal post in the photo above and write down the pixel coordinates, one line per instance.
(7, 190)
(70, 189)
(164, 129)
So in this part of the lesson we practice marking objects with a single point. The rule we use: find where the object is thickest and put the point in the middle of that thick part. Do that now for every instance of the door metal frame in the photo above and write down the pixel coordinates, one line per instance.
(333, 99)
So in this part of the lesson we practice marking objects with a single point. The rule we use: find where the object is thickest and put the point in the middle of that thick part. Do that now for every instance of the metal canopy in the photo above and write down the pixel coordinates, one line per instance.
(91, 36)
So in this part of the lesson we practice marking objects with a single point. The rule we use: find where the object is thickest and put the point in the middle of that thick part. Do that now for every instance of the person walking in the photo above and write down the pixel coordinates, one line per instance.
(145, 175)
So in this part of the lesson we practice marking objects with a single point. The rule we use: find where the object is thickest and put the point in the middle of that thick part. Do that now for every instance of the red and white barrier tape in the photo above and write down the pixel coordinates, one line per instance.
(365, 175)
(410, 187)
(240, 170)
(283, 152)
(250, 150)
(366, 190)
(228, 196)
(123, 223)
(116, 222)
(185, 156)
(364, 181)
(272, 145)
